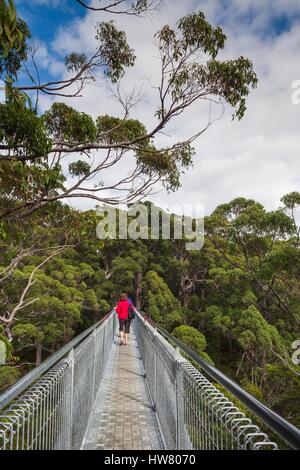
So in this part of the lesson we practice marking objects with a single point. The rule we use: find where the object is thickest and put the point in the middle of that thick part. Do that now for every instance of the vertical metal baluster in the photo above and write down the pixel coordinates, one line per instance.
(71, 364)
(206, 422)
(155, 371)
(51, 440)
(56, 414)
(192, 415)
(28, 429)
(194, 418)
(42, 419)
(201, 419)
(94, 366)
(63, 413)
(46, 421)
(60, 414)
(37, 422)
(103, 352)
(57, 439)
(198, 417)
(51, 417)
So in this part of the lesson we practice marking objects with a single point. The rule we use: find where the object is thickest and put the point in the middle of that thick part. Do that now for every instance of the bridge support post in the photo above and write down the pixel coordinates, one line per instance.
(71, 385)
(103, 352)
(155, 370)
(179, 391)
(94, 367)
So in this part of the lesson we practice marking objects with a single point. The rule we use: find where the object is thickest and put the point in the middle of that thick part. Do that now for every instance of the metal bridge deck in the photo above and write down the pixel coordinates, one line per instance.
(123, 417)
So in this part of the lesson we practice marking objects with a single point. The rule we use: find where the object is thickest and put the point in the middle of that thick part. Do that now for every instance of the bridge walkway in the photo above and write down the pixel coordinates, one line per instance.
(123, 417)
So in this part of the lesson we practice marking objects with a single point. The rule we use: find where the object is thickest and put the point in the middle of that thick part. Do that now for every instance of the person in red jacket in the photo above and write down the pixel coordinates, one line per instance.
(122, 310)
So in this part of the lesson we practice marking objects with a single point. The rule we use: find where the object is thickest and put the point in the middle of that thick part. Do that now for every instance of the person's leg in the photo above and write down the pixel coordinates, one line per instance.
(122, 331)
(127, 328)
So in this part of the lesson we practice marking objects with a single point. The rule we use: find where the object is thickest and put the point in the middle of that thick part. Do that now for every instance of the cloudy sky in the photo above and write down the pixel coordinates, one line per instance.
(256, 158)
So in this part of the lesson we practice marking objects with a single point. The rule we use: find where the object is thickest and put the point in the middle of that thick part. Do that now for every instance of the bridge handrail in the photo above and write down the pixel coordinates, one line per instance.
(50, 407)
(16, 389)
(282, 428)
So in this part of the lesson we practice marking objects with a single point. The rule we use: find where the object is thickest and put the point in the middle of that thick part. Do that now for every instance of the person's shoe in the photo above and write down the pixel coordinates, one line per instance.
(121, 342)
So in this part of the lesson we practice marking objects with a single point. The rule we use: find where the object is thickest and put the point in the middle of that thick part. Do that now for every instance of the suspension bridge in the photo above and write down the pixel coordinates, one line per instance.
(153, 394)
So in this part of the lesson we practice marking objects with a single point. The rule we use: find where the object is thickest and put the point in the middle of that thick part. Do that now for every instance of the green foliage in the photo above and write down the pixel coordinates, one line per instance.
(21, 181)
(79, 168)
(65, 124)
(291, 200)
(191, 337)
(140, 5)
(75, 62)
(197, 32)
(281, 389)
(8, 376)
(114, 50)
(252, 331)
(159, 301)
(169, 164)
(23, 131)
(249, 298)
(230, 80)
(254, 390)
(112, 130)
(27, 330)
(14, 34)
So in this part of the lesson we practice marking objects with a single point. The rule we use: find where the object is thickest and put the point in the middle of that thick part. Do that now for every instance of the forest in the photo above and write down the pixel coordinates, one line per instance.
(236, 301)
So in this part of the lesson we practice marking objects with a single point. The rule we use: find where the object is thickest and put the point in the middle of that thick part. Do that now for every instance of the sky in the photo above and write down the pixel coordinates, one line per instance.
(255, 158)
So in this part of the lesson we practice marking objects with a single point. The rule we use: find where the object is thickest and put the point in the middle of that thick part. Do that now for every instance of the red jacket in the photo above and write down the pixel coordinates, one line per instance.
(122, 309)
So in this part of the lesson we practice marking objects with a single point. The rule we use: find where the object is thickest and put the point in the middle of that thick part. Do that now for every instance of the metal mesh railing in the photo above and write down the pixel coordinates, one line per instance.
(192, 412)
(50, 407)
(53, 412)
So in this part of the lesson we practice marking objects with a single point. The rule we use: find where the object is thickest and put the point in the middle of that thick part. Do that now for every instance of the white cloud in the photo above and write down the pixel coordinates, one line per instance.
(46, 60)
(257, 157)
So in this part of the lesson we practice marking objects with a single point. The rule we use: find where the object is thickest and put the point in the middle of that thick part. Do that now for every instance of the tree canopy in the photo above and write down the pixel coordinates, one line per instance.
(236, 301)
(34, 146)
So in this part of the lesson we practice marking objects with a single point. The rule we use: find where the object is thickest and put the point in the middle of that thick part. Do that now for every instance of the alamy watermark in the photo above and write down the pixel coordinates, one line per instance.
(296, 354)
(144, 222)
(296, 92)
(2, 353)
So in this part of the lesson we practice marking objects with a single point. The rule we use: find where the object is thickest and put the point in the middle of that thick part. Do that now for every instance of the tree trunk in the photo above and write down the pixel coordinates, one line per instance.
(96, 315)
(9, 333)
(138, 289)
(184, 291)
(38, 353)
(66, 335)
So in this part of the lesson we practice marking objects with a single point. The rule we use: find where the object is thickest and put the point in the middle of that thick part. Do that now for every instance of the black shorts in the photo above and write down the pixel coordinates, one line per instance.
(124, 325)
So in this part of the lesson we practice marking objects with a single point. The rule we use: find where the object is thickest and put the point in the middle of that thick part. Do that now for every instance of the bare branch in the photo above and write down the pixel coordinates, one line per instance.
(285, 361)
(10, 317)
(134, 9)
